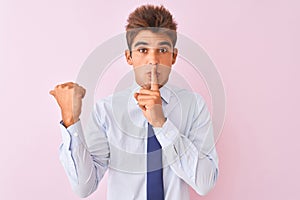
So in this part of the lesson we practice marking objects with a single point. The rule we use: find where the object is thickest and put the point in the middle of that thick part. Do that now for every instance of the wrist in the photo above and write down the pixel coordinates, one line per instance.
(159, 123)
(68, 120)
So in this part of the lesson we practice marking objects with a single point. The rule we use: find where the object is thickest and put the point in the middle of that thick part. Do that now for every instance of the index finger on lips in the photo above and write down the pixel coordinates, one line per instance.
(154, 82)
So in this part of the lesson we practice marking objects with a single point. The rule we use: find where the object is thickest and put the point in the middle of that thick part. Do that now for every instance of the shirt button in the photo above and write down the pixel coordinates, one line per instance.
(75, 134)
(167, 134)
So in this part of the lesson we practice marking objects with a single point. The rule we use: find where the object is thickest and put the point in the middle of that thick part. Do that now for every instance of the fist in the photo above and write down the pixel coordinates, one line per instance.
(69, 98)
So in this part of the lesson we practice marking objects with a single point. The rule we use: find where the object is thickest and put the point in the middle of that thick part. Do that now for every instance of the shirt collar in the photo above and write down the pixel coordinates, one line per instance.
(165, 92)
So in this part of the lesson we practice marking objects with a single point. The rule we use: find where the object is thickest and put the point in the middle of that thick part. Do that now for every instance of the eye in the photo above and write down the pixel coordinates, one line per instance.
(142, 50)
(163, 50)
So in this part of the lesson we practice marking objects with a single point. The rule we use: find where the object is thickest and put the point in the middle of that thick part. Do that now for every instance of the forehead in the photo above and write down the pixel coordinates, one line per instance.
(151, 38)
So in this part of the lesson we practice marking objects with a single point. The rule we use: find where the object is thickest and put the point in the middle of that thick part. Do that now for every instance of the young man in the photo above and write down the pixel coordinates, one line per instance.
(154, 139)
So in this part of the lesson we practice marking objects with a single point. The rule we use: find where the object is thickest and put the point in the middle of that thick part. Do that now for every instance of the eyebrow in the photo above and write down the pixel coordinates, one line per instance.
(165, 43)
(145, 43)
(140, 43)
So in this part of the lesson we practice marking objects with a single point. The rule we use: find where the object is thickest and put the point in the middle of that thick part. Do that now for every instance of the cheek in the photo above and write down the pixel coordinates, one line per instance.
(137, 61)
(164, 60)
(167, 60)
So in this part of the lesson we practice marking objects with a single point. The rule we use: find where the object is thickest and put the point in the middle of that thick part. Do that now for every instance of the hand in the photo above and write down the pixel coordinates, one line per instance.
(150, 102)
(69, 98)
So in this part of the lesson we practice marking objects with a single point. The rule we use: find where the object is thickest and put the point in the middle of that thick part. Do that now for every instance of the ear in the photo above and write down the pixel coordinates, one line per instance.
(175, 53)
(128, 57)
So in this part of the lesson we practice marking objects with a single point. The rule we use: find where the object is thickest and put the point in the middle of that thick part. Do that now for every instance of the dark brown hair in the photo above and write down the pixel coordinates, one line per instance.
(153, 18)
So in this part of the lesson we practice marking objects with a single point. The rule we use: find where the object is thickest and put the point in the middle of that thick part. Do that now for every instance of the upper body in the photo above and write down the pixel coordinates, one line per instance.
(115, 137)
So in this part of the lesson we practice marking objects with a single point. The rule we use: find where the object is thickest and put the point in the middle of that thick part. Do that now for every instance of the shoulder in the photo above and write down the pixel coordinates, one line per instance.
(185, 96)
(115, 99)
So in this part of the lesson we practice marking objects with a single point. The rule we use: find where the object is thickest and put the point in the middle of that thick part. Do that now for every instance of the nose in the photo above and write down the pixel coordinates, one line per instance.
(153, 57)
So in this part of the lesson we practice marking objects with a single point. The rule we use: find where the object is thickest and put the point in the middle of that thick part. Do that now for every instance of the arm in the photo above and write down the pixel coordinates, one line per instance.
(191, 156)
(83, 154)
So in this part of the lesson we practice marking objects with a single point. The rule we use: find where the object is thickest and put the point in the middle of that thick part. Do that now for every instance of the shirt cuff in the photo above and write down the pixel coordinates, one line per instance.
(71, 135)
(167, 134)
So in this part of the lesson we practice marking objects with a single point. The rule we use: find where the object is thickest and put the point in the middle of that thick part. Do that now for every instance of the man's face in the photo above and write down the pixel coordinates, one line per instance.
(150, 49)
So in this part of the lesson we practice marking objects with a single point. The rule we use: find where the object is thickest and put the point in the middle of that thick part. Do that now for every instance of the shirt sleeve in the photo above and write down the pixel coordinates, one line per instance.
(84, 154)
(192, 156)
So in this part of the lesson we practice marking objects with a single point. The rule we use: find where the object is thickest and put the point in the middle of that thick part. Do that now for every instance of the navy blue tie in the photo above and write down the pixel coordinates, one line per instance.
(155, 186)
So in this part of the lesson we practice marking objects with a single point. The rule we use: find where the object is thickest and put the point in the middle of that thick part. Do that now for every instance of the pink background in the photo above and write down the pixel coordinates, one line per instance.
(254, 44)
